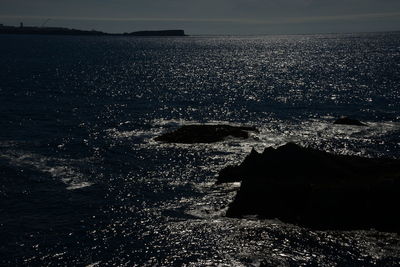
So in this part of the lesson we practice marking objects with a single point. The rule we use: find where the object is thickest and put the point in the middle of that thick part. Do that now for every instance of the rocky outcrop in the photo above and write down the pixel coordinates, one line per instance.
(158, 33)
(190, 134)
(349, 121)
(316, 189)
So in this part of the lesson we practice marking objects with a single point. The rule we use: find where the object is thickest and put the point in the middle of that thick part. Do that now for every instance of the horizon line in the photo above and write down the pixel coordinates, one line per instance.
(272, 21)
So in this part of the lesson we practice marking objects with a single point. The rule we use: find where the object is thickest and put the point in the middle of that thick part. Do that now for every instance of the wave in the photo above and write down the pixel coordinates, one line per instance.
(45, 168)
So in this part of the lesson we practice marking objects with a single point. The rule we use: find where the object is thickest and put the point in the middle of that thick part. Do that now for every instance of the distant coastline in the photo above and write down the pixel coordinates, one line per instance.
(66, 31)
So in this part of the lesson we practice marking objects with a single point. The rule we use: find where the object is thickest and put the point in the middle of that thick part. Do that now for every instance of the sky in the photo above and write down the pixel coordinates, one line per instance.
(237, 17)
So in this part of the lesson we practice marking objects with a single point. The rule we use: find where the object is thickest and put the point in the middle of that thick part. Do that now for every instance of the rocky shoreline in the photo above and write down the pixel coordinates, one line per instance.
(317, 189)
(305, 186)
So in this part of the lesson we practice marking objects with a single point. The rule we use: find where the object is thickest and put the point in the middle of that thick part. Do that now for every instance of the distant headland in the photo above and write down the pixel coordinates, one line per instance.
(66, 31)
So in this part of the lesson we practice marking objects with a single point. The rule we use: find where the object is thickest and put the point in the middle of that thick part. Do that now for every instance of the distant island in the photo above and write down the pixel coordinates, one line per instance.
(66, 31)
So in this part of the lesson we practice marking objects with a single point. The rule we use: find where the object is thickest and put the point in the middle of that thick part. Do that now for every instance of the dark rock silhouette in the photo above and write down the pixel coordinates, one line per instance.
(189, 134)
(158, 33)
(349, 121)
(47, 31)
(316, 189)
(67, 31)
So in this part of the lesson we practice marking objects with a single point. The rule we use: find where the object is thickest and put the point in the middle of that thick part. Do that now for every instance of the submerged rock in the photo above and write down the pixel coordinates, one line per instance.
(189, 134)
(317, 189)
(349, 121)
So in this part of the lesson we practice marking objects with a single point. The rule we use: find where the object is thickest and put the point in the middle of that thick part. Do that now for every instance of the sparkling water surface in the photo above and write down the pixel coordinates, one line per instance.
(82, 181)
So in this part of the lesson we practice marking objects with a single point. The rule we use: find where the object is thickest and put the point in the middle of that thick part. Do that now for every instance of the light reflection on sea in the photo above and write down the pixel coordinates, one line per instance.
(85, 183)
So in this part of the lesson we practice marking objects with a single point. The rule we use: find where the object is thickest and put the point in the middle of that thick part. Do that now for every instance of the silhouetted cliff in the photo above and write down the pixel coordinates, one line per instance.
(46, 30)
(158, 33)
(66, 31)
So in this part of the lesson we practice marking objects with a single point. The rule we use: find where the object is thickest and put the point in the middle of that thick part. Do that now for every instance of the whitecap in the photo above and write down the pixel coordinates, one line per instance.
(58, 169)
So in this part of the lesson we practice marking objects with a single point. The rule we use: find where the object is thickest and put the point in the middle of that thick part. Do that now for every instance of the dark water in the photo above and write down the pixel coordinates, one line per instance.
(84, 183)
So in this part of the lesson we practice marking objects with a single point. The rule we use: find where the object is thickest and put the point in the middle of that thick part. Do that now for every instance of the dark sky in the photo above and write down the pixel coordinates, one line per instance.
(209, 16)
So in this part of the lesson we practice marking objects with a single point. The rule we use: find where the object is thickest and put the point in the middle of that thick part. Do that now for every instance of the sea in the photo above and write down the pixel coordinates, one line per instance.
(84, 183)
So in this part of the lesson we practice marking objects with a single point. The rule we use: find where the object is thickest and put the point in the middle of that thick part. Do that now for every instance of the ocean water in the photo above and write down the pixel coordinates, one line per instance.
(83, 183)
